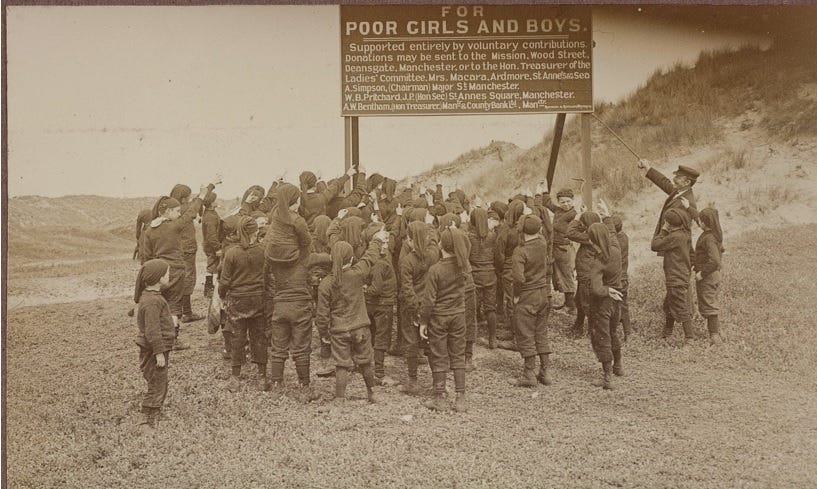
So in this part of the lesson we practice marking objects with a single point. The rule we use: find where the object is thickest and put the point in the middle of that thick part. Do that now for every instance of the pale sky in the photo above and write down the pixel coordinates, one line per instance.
(128, 101)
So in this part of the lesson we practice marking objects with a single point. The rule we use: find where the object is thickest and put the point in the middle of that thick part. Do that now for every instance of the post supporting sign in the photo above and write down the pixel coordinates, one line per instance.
(399, 60)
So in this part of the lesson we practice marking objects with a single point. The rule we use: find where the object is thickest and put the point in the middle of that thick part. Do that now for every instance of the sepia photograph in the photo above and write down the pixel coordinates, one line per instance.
(409, 245)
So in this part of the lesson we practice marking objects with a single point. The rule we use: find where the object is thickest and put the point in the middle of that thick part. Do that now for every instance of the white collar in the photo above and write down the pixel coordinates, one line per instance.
(158, 221)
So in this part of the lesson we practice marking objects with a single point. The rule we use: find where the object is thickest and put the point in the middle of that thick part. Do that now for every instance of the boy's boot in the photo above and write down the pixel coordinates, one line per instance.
(149, 417)
(368, 378)
(341, 381)
(469, 356)
(264, 384)
(208, 286)
(307, 393)
(528, 378)
(379, 365)
(668, 325)
(509, 344)
(234, 383)
(491, 320)
(578, 325)
(688, 334)
(411, 387)
(607, 379)
(228, 339)
(544, 374)
(276, 377)
(618, 368)
(460, 404)
(187, 311)
(714, 330)
(437, 403)
(178, 344)
(570, 303)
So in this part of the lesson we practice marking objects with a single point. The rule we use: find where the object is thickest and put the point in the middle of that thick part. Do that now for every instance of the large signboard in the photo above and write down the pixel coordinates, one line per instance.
(466, 59)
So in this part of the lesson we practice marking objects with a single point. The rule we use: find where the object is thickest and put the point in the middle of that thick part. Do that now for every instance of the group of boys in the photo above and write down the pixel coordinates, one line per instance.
(372, 203)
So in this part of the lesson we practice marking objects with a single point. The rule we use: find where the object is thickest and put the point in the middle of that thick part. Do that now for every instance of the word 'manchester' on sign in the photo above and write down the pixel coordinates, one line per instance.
(474, 59)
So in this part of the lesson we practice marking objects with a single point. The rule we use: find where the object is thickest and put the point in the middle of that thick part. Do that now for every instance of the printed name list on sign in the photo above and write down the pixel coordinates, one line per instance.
(466, 59)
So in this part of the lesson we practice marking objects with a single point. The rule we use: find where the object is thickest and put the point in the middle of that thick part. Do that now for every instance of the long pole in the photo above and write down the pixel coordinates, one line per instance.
(587, 167)
(351, 145)
(617, 136)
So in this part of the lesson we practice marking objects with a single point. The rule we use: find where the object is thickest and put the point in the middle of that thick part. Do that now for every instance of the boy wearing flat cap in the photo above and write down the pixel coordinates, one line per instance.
(564, 255)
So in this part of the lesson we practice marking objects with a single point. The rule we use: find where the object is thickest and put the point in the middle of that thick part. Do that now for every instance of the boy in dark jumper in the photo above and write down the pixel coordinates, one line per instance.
(142, 223)
(156, 335)
(419, 254)
(483, 241)
(442, 318)
(287, 262)
(506, 242)
(531, 297)
(210, 222)
(577, 232)
(564, 255)
(341, 313)
(707, 267)
(241, 286)
(381, 292)
(189, 247)
(470, 314)
(674, 241)
(605, 280)
(624, 247)
(163, 240)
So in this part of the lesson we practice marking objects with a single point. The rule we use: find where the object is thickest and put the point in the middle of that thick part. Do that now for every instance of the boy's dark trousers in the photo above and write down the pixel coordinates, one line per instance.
(604, 321)
(508, 305)
(411, 339)
(624, 307)
(470, 322)
(676, 308)
(531, 314)
(380, 317)
(582, 304)
(291, 332)
(254, 328)
(446, 341)
(156, 378)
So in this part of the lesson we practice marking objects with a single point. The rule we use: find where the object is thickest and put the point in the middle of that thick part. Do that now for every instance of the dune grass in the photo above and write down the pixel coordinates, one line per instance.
(673, 110)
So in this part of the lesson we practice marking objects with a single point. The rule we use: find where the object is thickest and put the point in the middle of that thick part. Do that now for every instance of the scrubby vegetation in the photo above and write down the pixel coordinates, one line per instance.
(676, 109)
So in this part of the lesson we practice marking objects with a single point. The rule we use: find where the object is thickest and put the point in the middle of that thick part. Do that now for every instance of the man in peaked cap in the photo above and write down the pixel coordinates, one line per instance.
(679, 196)
(679, 190)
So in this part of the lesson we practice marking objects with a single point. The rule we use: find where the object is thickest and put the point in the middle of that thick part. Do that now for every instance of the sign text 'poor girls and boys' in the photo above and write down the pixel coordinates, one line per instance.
(474, 59)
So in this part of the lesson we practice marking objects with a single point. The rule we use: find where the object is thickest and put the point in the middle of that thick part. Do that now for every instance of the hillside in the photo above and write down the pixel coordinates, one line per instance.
(73, 226)
(674, 113)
